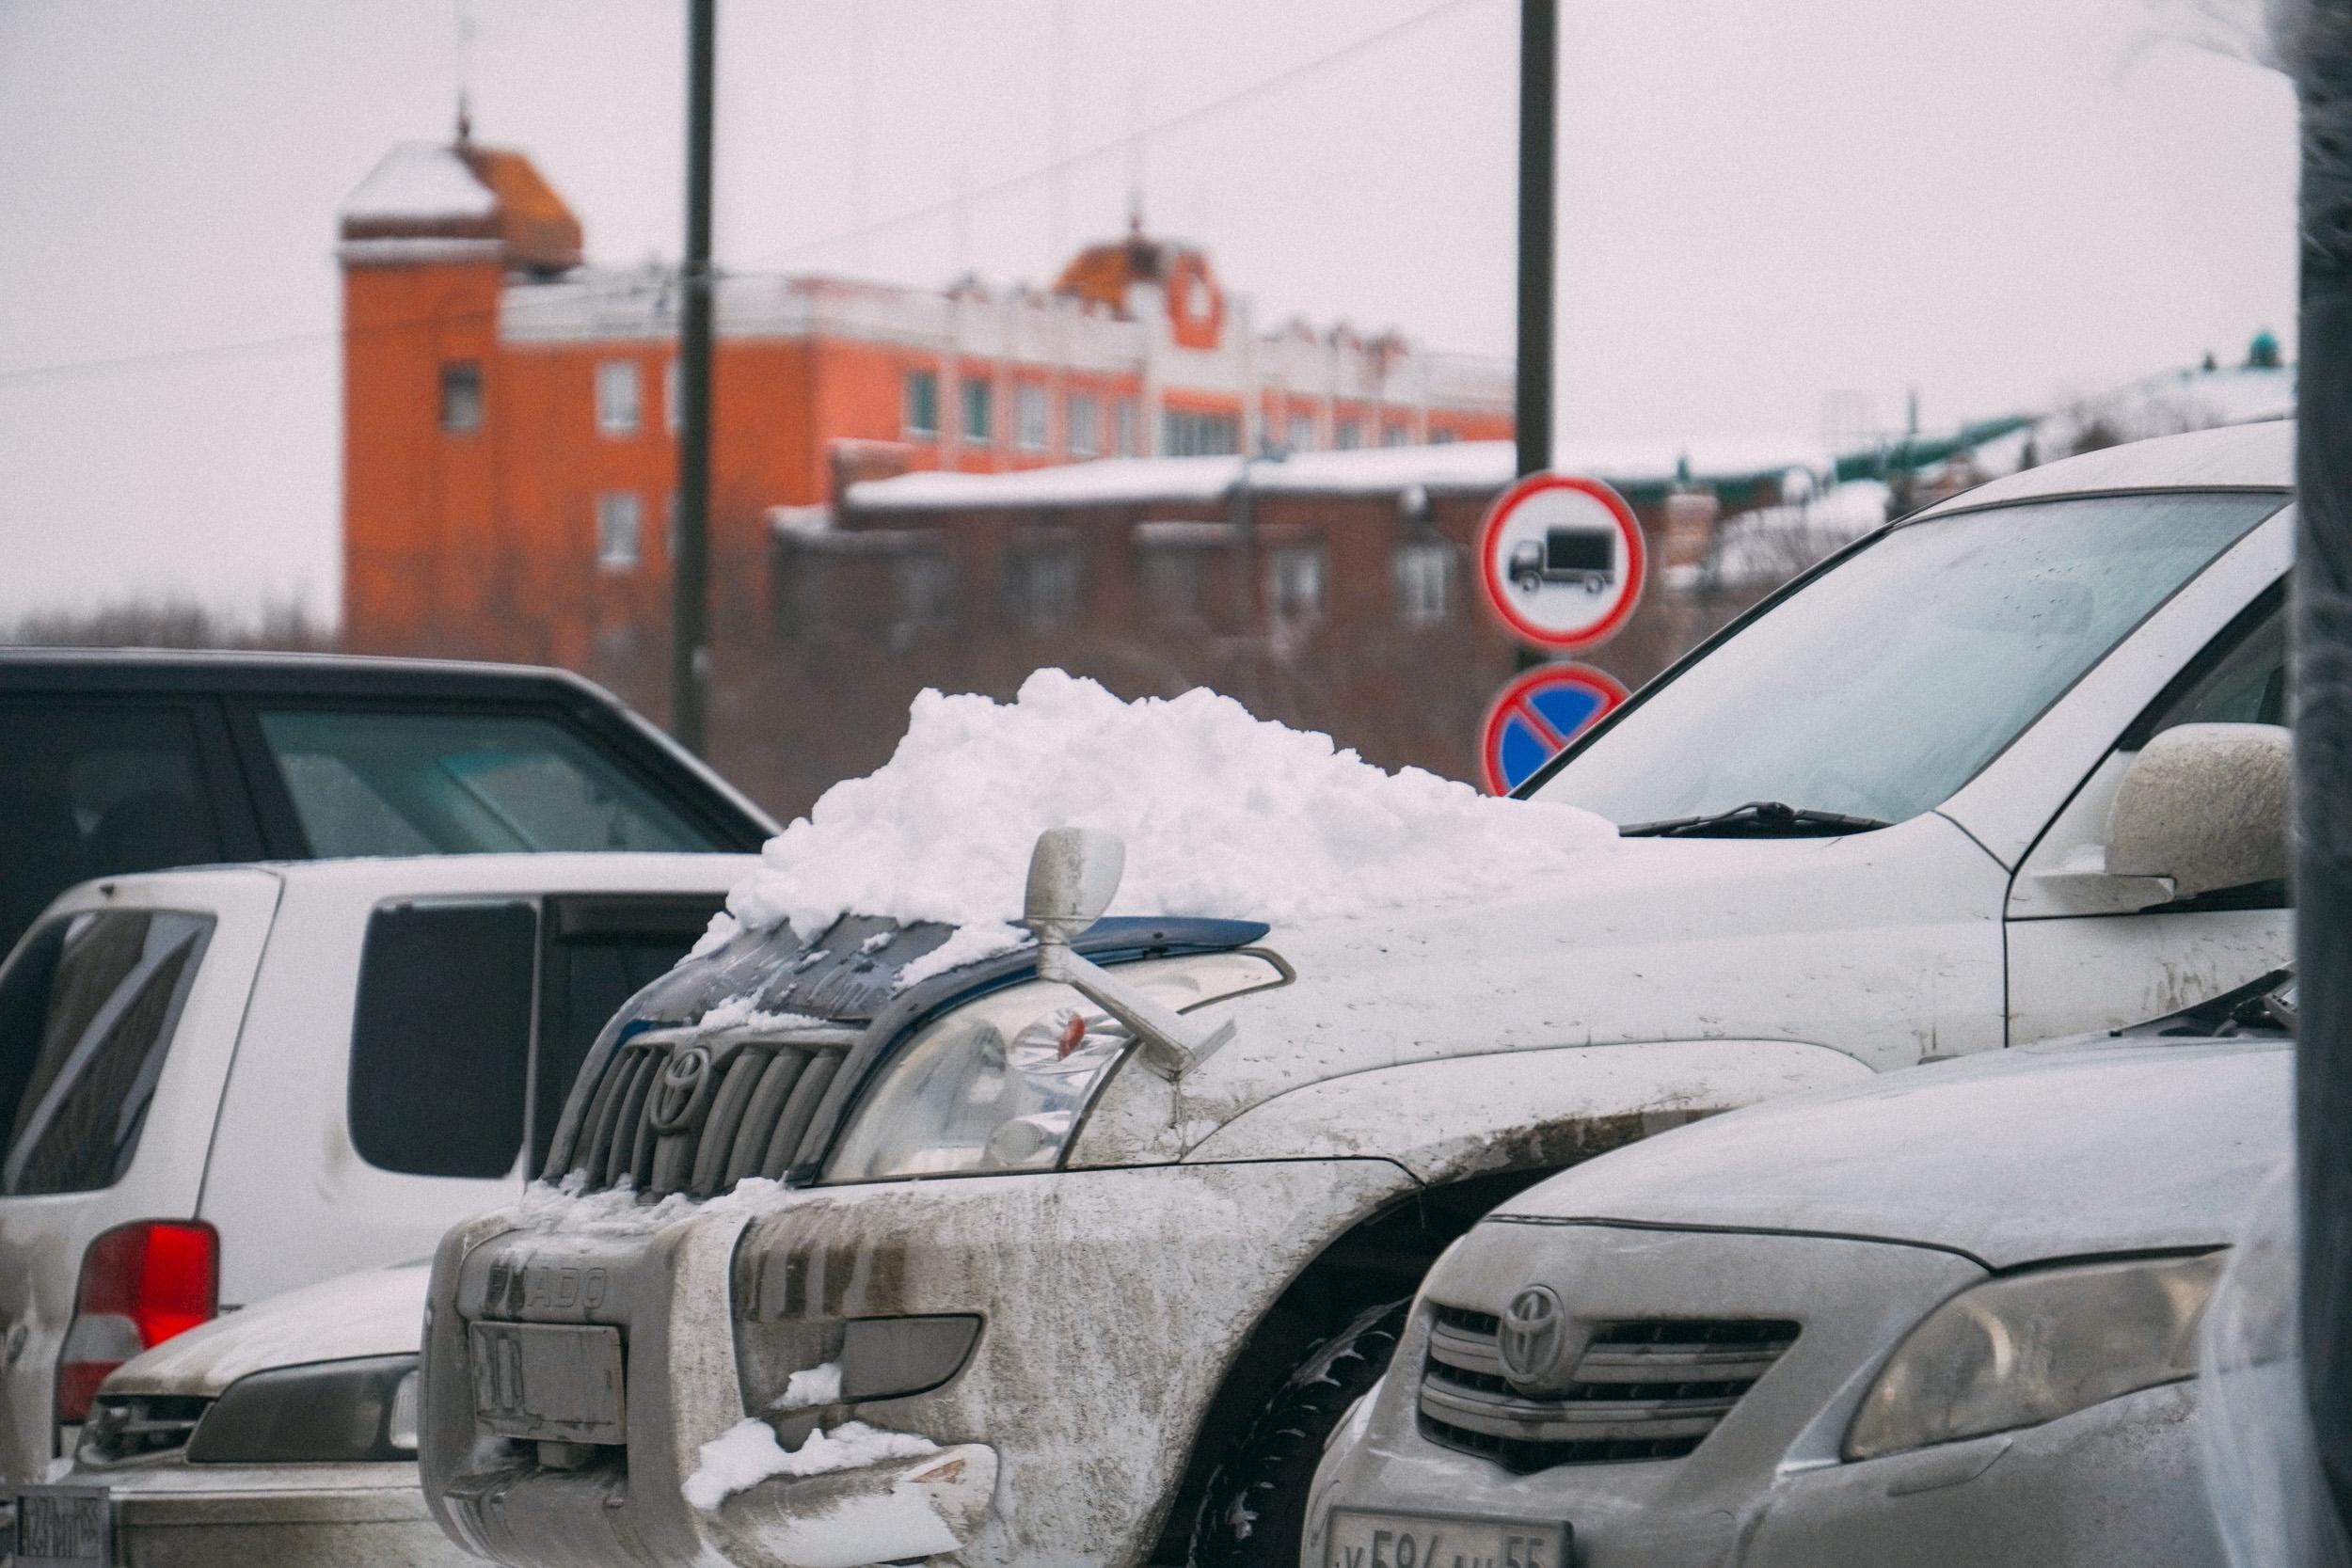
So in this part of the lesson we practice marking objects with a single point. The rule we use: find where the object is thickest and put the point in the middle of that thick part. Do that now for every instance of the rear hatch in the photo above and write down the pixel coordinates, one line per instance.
(118, 1014)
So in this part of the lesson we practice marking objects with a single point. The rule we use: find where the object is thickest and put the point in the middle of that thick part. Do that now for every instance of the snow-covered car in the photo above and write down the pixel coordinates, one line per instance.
(1090, 1216)
(285, 1435)
(217, 1085)
(1961, 1329)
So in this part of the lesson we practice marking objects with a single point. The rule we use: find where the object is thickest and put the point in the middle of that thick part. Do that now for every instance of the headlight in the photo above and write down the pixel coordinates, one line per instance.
(1000, 1083)
(2033, 1347)
(335, 1412)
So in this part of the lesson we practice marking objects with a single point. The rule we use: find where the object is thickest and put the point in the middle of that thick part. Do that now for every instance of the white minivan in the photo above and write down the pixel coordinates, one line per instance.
(2011, 768)
(217, 1085)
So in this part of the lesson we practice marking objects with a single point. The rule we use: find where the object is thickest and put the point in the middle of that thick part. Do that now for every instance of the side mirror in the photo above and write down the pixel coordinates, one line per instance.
(1074, 873)
(2205, 805)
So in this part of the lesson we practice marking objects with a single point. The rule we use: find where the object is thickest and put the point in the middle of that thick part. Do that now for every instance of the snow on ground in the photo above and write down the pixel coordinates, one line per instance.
(419, 182)
(748, 1454)
(1223, 813)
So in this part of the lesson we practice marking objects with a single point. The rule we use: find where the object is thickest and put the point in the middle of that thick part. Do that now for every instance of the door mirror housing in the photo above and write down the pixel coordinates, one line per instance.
(2204, 806)
(1074, 873)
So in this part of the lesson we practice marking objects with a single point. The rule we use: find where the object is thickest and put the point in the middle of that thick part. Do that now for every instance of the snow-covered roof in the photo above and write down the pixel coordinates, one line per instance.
(1773, 544)
(1379, 470)
(2174, 402)
(419, 182)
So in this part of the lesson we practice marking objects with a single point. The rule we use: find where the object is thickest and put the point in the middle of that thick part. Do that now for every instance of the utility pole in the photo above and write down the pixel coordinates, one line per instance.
(689, 568)
(1539, 126)
(2321, 51)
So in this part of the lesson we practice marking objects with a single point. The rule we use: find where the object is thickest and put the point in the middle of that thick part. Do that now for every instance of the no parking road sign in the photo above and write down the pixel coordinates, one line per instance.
(1562, 561)
(1535, 717)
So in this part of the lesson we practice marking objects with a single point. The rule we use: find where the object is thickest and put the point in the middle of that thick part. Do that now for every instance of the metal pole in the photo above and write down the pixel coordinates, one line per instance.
(1539, 62)
(1540, 58)
(690, 579)
(2323, 723)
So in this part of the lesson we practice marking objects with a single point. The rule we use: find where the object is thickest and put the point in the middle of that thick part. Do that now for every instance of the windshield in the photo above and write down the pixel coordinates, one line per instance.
(1882, 686)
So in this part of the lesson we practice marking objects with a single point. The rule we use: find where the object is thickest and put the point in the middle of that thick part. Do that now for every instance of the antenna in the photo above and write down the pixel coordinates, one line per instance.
(464, 67)
(1136, 170)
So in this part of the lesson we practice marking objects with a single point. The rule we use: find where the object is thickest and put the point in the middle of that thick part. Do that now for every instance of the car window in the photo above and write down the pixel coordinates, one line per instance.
(2245, 681)
(1880, 688)
(88, 1011)
(398, 784)
(95, 790)
(440, 1040)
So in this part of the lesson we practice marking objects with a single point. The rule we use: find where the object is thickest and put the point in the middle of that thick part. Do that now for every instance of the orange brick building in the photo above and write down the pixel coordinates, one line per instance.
(510, 412)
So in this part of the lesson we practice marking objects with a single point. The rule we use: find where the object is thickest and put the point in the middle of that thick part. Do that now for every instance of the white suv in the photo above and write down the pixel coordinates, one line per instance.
(217, 1085)
(2010, 770)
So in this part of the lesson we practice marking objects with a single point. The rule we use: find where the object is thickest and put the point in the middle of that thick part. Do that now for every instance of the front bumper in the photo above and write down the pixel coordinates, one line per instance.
(1113, 1303)
(2115, 1482)
(173, 1514)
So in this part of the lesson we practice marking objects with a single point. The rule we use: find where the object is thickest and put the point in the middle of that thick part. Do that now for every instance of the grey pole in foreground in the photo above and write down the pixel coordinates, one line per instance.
(2321, 51)
(690, 567)
(1539, 128)
(1539, 88)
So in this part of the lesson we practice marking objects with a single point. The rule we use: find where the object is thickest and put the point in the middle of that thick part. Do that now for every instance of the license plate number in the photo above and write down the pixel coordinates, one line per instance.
(1352, 1539)
(63, 1527)
(548, 1382)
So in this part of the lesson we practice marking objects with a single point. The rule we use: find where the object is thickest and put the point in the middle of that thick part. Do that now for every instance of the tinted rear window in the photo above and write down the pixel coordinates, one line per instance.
(411, 783)
(95, 789)
(88, 1011)
(442, 1043)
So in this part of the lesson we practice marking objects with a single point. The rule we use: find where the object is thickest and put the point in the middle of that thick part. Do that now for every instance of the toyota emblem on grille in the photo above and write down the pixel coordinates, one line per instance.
(682, 1094)
(1533, 1333)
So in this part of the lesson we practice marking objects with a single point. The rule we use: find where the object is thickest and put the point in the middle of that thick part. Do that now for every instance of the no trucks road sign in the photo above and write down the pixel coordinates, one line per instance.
(1534, 718)
(1561, 560)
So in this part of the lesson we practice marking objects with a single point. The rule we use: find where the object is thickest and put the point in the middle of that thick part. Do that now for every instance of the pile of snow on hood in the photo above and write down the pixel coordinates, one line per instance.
(1223, 813)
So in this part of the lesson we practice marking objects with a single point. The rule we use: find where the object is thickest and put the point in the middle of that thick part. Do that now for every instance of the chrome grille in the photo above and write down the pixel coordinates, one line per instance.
(1646, 1390)
(129, 1426)
(751, 1098)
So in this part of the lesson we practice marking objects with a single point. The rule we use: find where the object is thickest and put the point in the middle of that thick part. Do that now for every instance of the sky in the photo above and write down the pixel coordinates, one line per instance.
(1764, 204)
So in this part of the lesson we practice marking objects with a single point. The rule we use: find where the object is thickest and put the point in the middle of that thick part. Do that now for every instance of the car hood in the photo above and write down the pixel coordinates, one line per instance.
(2094, 1145)
(377, 1312)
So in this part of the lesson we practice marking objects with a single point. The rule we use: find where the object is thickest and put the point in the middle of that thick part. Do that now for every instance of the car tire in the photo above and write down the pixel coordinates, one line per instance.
(1254, 1510)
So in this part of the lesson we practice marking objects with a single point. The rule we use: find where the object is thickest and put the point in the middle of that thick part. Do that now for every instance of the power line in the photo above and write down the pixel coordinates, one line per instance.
(1280, 79)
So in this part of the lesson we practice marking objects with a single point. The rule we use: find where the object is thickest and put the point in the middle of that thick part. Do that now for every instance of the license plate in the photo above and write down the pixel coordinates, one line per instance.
(1353, 1539)
(63, 1527)
(548, 1382)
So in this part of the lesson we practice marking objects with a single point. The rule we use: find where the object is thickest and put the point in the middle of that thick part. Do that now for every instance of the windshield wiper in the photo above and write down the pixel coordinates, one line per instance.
(1756, 819)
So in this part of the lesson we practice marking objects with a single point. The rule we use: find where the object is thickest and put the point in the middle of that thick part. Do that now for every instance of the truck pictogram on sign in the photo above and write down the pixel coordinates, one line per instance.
(1561, 561)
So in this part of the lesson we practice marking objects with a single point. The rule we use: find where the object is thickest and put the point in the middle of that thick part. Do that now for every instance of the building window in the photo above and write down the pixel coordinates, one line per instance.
(1299, 580)
(461, 397)
(1086, 435)
(1123, 427)
(619, 520)
(1172, 581)
(925, 585)
(673, 408)
(923, 403)
(1424, 581)
(1395, 435)
(1030, 424)
(1301, 435)
(616, 397)
(1042, 586)
(1440, 436)
(1349, 435)
(980, 411)
(1188, 434)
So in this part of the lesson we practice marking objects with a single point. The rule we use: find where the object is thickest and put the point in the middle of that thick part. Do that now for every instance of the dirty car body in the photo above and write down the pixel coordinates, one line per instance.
(1080, 1274)
(1961, 1331)
(284, 1434)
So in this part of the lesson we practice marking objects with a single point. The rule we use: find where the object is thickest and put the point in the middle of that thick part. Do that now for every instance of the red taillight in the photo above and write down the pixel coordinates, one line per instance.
(141, 1284)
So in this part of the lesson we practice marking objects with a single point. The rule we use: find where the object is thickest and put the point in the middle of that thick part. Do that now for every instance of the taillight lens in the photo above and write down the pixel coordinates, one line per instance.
(141, 1284)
